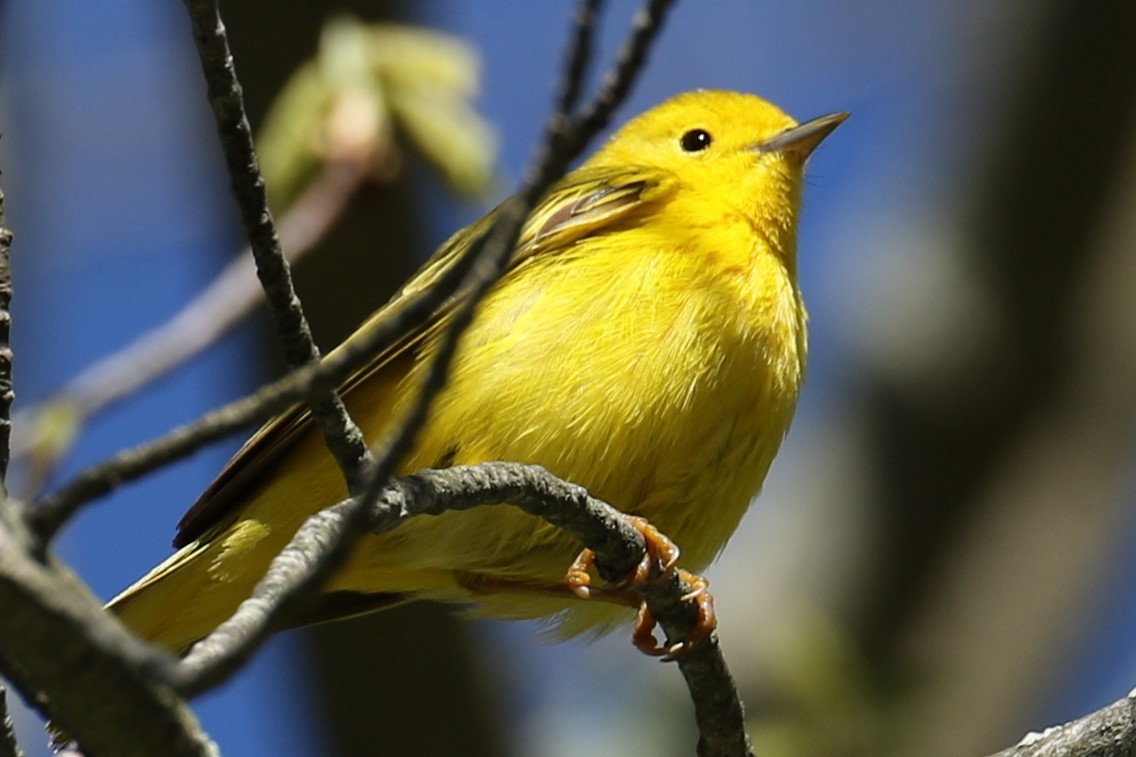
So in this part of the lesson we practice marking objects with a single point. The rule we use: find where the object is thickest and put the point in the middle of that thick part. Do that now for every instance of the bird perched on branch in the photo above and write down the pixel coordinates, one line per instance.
(647, 341)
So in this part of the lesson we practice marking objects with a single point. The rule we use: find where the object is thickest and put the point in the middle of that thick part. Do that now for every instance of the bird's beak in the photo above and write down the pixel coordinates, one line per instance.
(802, 139)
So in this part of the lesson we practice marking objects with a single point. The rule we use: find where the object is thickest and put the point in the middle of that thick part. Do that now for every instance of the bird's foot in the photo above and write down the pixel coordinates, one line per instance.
(658, 564)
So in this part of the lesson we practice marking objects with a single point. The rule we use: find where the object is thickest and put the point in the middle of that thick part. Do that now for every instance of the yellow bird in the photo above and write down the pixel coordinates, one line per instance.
(647, 341)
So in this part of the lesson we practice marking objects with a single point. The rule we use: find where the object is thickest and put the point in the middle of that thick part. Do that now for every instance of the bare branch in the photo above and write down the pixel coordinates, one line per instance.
(59, 647)
(52, 511)
(618, 80)
(223, 304)
(572, 82)
(1108, 732)
(428, 492)
(343, 437)
(564, 138)
(8, 745)
(718, 709)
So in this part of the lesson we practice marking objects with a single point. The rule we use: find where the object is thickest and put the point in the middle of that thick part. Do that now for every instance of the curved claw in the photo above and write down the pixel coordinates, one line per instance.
(658, 564)
(643, 637)
(578, 578)
(659, 558)
(658, 561)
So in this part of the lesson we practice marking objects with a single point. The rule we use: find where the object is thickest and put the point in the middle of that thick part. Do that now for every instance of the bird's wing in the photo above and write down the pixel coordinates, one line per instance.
(586, 203)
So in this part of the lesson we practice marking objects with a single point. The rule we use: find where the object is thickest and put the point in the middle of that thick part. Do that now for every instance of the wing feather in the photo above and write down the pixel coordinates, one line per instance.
(588, 202)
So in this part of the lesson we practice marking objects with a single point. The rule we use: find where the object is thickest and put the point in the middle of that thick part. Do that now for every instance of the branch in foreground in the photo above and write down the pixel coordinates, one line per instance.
(343, 437)
(52, 511)
(212, 313)
(564, 138)
(1108, 732)
(580, 54)
(59, 648)
(8, 745)
(619, 78)
(619, 547)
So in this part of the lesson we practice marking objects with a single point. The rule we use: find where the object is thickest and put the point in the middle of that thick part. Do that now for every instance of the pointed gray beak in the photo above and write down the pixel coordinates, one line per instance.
(802, 139)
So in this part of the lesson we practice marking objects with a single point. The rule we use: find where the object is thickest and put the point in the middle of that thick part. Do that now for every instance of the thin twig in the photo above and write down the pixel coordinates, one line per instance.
(490, 255)
(619, 78)
(575, 71)
(223, 304)
(343, 437)
(564, 138)
(52, 511)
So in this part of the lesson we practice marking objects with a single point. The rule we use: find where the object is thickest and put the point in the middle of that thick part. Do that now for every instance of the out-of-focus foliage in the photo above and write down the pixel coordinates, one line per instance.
(368, 85)
(827, 699)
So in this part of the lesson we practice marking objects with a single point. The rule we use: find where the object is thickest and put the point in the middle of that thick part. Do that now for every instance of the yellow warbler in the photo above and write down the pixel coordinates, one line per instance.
(647, 341)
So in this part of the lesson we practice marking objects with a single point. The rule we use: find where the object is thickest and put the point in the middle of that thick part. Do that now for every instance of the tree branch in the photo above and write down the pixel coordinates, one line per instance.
(8, 745)
(51, 512)
(1108, 732)
(619, 78)
(572, 82)
(59, 648)
(223, 304)
(343, 437)
(718, 709)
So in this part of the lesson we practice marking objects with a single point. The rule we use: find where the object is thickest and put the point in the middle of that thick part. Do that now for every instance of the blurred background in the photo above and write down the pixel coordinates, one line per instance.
(942, 556)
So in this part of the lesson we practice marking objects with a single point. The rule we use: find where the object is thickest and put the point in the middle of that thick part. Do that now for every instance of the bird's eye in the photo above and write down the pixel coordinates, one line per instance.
(696, 140)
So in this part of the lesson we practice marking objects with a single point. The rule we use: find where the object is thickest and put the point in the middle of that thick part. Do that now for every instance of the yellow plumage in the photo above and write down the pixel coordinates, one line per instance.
(648, 342)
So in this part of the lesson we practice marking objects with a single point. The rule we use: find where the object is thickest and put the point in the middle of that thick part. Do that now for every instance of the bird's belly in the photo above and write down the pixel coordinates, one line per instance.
(690, 467)
(661, 410)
